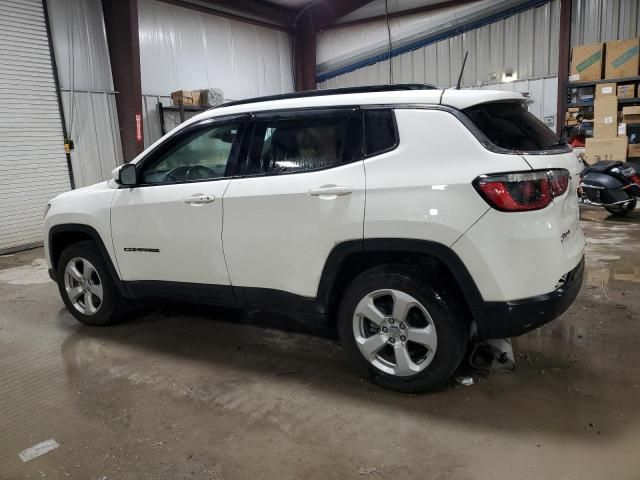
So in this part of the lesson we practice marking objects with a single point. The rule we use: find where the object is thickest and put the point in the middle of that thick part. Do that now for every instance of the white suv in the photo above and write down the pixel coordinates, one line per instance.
(412, 218)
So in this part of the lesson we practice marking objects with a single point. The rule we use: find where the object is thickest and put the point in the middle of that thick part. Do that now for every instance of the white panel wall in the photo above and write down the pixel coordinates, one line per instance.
(84, 72)
(525, 43)
(188, 49)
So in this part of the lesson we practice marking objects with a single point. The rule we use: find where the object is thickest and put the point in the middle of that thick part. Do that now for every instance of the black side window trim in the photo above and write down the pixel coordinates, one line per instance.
(284, 115)
(396, 132)
(169, 142)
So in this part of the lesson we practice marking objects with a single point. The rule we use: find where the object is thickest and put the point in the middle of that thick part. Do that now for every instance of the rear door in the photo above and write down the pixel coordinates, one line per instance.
(300, 192)
(510, 126)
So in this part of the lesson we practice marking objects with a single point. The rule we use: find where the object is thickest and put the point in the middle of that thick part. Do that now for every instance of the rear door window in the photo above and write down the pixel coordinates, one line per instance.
(290, 142)
(511, 126)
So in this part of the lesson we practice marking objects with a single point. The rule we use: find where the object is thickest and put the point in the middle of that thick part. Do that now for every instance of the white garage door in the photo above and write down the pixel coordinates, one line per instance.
(33, 165)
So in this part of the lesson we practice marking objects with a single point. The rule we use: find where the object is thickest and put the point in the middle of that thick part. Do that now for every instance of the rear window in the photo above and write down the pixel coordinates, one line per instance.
(511, 126)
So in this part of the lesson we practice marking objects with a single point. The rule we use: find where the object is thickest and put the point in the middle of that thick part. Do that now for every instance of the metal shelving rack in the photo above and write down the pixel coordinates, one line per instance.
(589, 83)
(181, 109)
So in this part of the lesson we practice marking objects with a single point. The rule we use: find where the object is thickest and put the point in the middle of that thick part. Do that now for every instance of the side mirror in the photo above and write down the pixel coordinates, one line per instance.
(125, 175)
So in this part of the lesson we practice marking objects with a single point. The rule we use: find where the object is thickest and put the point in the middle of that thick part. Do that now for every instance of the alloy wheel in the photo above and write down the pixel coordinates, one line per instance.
(395, 332)
(83, 286)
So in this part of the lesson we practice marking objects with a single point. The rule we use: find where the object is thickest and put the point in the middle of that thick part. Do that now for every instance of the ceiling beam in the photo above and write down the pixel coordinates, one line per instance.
(311, 19)
(251, 11)
(401, 13)
(325, 12)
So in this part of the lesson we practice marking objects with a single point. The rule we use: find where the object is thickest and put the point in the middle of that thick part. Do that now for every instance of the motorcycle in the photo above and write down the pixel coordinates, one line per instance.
(611, 184)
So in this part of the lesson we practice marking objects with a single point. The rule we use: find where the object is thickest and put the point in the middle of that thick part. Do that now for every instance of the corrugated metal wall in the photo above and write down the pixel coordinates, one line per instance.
(188, 49)
(84, 71)
(603, 20)
(525, 43)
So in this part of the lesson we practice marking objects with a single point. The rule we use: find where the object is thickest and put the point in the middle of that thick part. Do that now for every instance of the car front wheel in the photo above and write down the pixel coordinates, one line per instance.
(400, 331)
(86, 286)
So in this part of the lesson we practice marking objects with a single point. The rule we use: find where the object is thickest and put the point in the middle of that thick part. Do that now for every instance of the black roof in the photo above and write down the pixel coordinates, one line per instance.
(335, 91)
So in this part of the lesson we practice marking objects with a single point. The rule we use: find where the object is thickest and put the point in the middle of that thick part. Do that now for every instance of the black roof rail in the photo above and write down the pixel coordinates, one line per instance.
(334, 91)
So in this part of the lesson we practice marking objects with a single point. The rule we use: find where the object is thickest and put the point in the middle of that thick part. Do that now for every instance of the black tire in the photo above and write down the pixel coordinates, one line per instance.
(451, 327)
(113, 308)
(622, 211)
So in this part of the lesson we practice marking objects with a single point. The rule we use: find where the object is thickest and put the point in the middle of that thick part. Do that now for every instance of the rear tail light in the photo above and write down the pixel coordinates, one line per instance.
(522, 191)
(635, 178)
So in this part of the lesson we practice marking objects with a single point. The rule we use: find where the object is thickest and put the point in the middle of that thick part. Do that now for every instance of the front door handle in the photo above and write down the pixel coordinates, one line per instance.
(199, 199)
(331, 191)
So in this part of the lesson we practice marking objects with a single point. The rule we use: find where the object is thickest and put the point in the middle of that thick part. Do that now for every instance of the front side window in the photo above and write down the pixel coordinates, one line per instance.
(510, 125)
(298, 142)
(202, 154)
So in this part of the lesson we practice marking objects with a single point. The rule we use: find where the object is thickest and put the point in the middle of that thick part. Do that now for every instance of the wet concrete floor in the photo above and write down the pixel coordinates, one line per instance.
(209, 396)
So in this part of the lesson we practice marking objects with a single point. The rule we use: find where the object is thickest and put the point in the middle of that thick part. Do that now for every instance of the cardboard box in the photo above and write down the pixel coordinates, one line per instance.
(622, 58)
(586, 62)
(597, 149)
(605, 117)
(631, 115)
(573, 109)
(605, 90)
(182, 97)
(627, 91)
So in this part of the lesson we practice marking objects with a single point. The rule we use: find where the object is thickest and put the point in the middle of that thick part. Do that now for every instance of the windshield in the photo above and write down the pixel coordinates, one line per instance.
(510, 125)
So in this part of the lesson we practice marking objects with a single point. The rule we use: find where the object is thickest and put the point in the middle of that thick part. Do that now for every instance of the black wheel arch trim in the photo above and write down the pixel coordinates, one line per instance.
(95, 236)
(444, 254)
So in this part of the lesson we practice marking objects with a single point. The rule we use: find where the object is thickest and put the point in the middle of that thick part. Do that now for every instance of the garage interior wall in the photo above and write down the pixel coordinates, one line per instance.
(595, 21)
(84, 72)
(188, 49)
(524, 44)
(33, 163)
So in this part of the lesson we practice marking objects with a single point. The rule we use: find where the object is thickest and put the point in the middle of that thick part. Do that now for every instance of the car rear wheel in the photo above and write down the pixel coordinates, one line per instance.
(400, 331)
(86, 286)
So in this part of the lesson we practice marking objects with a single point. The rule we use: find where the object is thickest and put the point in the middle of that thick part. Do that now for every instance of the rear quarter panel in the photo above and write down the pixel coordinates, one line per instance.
(423, 189)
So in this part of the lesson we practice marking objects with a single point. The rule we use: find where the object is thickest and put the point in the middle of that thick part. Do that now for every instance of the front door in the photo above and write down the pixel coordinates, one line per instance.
(169, 227)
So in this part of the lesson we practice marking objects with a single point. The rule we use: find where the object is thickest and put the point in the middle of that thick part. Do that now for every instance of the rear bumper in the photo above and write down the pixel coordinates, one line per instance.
(514, 318)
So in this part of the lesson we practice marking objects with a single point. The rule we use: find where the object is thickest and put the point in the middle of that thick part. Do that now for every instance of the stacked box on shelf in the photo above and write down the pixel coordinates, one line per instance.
(622, 58)
(606, 144)
(586, 62)
(627, 90)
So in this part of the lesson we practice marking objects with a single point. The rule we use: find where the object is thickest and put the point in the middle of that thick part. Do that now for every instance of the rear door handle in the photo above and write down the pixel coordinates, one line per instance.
(331, 191)
(199, 199)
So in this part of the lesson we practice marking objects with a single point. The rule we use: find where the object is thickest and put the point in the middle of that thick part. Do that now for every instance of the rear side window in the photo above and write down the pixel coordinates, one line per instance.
(511, 126)
(295, 142)
(380, 131)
